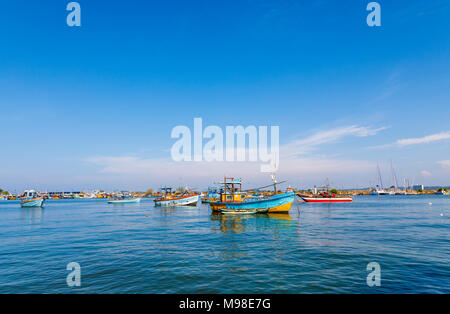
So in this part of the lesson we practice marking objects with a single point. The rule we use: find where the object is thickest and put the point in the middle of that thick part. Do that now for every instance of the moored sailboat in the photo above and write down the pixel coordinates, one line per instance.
(379, 189)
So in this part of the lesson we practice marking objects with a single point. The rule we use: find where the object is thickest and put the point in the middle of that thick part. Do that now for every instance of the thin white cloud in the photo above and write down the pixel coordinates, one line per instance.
(165, 171)
(415, 141)
(425, 173)
(302, 146)
(313, 166)
(423, 140)
(293, 162)
(380, 146)
(444, 163)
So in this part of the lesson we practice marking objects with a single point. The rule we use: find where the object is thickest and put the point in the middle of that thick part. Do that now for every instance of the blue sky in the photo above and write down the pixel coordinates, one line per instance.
(93, 107)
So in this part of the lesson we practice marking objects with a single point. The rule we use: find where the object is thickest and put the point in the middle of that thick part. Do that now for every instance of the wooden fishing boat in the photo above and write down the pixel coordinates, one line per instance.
(32, 199)
(172, 200)
(232, 200)
(324, 195)
(325, 199)
(280, 203)
(230, 193)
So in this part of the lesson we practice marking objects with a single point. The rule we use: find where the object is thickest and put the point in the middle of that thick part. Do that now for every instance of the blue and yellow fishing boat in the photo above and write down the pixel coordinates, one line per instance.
(232, 201)
(280, 203)
(31, 199)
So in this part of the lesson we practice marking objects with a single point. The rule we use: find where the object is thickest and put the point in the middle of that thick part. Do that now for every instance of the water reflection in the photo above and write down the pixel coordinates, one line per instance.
(168, 211)
(32, 214)
(238, 224)
(277, 224)
(281, 217)
(230, 223)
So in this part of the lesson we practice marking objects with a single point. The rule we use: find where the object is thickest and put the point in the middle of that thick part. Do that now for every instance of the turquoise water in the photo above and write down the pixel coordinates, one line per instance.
(137, 248)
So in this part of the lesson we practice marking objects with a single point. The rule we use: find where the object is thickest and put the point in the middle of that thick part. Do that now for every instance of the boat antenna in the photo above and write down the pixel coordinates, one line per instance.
(274, 180)
(394, 176)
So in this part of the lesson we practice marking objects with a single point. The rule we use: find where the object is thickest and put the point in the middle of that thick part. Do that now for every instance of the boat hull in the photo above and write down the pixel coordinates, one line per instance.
(190, 200)
(216, 206)
(238, 211)
(326, 199)
(134, 200)
(276, 204)
(37, 202)
(207, 201)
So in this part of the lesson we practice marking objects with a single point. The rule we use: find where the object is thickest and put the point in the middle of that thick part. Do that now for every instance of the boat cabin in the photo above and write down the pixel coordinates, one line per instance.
(232, 190)
(166, 191)
(30, 194)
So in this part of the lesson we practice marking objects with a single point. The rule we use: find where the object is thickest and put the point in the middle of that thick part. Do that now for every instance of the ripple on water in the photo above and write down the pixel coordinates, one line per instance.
(324, 248)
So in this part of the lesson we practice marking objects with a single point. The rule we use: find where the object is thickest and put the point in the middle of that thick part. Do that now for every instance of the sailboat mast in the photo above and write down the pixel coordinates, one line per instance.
(394, 177)
(380, 181)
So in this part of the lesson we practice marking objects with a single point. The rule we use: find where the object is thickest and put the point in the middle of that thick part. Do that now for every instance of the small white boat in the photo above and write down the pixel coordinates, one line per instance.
(31, 199)
(228, 211)
(381, 192)
(125, 201)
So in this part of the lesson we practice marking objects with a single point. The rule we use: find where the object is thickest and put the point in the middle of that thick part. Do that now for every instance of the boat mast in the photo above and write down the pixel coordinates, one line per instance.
(394, 177)
(380, 181)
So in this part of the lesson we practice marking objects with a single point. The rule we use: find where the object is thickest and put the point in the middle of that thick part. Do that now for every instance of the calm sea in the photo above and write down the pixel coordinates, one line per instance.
(316, 248)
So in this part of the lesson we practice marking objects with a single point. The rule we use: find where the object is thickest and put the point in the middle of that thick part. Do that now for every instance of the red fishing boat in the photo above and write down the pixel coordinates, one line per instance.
(325, 198)
(324, 195)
